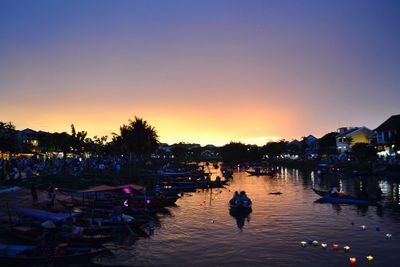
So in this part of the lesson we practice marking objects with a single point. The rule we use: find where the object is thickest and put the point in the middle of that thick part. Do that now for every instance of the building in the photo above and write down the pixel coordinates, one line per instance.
(348, 136)
(311, 148)
(387, 135)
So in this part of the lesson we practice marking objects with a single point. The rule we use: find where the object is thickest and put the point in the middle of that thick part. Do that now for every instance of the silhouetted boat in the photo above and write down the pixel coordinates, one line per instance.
(346, 199)
(261, 173)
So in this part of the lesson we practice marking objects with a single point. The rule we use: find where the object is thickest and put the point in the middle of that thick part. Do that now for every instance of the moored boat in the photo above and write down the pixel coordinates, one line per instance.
(345, 199)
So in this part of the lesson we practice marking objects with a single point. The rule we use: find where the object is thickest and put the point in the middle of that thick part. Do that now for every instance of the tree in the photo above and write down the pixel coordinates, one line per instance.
(363, 152)
(327, 144)
(8, 141)
(78, 140)
(8, 137)
(138, 139)
(234, 152)
(179, 151)
(273, 149)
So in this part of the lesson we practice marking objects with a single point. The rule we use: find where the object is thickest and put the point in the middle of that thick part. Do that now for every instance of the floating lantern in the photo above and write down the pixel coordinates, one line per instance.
(315, 243)
(303, 244)
(353, 261)
(212, 221)
(335, 247)
(126, 203)
(346, 248)
(148, 201)
(363, 227)
(388, 236)
(370, 258)
(309, 242)
(324, 245)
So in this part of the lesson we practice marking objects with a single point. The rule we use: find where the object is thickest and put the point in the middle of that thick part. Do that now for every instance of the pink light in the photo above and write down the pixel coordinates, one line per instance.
(148, 201)
(126, 203)
(127, 190)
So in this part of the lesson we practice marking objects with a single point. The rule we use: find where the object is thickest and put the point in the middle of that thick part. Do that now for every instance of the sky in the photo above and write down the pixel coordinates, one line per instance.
(207, 72)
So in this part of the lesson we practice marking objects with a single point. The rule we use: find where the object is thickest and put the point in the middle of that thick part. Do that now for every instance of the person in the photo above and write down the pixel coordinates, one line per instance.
(51, 191)
(333, 190)
(235, 198)
(34, 193)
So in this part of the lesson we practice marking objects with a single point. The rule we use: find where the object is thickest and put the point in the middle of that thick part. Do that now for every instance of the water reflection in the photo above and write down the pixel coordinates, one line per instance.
(200, 223)
(241, 217)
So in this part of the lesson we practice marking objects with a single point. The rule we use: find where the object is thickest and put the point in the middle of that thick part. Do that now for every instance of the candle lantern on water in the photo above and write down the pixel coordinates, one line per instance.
(324, 245)
(303, 243)
(315, 243)
(346, 248)
(370, 258)
(335, 247)
(353, 261)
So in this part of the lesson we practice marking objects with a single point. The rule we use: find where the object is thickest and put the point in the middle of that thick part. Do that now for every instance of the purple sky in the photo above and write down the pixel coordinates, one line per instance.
(200, 71)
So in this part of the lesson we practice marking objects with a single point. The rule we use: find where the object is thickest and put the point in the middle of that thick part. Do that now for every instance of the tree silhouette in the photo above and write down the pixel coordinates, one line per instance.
(138, 139)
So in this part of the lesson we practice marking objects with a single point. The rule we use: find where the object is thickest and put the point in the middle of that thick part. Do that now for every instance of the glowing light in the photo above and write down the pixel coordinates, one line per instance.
(315, 243)
(353, 261)
(324, 245)
(370, 258)
(363, 227)
(303, 243)
(346, 248)
(126, 203)
(148, 201)
(388, 236)
(127, 190)
(335, 247)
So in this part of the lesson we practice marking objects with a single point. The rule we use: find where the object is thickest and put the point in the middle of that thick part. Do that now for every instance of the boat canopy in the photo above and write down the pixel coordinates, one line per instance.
(45, 215)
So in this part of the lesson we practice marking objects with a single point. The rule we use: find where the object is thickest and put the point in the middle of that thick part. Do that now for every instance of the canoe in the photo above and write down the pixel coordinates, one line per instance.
(326, 196)
(22, 255)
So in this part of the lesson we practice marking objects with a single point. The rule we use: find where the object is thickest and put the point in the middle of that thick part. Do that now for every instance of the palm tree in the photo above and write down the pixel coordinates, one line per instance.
(138, 139)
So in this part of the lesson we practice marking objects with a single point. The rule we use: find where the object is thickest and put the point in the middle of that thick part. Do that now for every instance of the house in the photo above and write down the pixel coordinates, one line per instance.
(387, 135)
(311, 148)
(388, 132)
(348, 136)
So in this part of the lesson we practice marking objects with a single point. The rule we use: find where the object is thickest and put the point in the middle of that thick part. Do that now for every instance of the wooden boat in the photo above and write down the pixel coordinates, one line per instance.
(345, 199)
(21, 255)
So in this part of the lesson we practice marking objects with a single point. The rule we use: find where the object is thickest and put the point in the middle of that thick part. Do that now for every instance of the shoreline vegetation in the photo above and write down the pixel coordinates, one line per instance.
(76, 161)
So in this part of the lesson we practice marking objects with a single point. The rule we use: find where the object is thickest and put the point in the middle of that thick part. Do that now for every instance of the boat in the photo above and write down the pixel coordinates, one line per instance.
(261, 173)
(22, 255)
(345, 199)
(240, 203)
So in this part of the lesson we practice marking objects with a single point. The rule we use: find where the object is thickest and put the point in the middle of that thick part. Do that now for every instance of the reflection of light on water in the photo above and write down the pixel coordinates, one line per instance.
(341, 184)
(297, 174)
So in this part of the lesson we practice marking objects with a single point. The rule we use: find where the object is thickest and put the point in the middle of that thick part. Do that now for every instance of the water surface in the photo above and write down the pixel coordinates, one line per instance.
(200, 231)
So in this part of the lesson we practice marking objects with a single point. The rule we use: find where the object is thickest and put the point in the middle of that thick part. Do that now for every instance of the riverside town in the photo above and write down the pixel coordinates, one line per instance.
(199, 133)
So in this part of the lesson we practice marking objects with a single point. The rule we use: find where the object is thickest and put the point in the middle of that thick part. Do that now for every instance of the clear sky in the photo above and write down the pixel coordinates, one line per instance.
(200, 71)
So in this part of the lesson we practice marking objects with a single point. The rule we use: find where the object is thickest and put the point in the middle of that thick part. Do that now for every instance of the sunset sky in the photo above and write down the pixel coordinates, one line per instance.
(200, 71)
